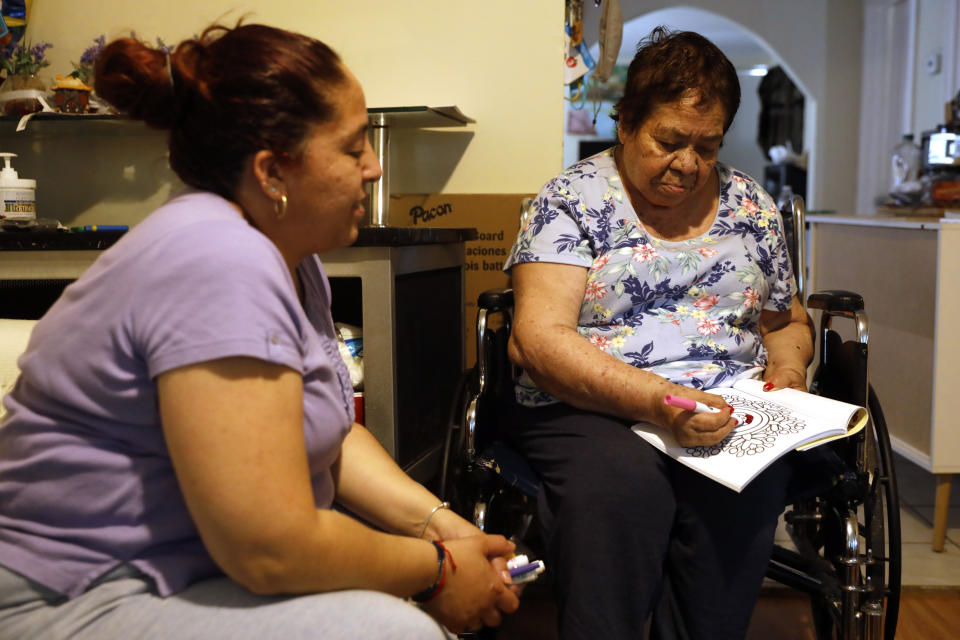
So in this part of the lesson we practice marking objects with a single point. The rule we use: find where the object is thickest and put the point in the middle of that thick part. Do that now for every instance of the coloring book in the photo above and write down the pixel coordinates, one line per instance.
(779, 422)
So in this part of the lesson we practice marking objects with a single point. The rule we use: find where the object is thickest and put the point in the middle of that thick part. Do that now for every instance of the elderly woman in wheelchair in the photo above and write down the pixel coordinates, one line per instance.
(646, 270)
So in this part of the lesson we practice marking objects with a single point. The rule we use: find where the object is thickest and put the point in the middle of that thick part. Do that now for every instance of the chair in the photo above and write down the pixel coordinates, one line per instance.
(843, 514)
(14, 335)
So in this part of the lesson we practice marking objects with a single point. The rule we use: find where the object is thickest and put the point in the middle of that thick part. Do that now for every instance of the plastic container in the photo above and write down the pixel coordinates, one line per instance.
(904, 162)
(19, 195)
(350, 343)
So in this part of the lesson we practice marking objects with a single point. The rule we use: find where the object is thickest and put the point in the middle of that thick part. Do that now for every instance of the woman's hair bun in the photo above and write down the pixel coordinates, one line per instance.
(224, 95)
(136, 80)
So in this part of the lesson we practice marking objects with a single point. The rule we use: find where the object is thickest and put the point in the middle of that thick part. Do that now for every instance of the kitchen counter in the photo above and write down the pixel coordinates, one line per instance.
(892, 222)
(98, 240)
(908, 271)
(406, 236)
(386, 282)
(57, 240)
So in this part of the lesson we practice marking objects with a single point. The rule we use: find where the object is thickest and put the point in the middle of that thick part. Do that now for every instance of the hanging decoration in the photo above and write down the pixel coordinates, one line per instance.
(577, 59)
(13, 21)
(611, 37)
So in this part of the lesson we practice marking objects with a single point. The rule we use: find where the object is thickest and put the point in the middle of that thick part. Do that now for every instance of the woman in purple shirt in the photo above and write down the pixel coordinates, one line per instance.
(183, 412)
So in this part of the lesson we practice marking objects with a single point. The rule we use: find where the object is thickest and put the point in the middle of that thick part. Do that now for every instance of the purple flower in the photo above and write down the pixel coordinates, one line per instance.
(39, 51)
(90, 53)
(22, 59)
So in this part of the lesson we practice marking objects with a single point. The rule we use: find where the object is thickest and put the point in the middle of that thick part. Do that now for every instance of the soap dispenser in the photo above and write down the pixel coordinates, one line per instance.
(18, 194)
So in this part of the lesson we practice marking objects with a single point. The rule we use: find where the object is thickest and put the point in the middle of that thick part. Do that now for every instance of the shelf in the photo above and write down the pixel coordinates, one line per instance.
(398, 117)
(56, 116)
(419, 117)
(52, 124)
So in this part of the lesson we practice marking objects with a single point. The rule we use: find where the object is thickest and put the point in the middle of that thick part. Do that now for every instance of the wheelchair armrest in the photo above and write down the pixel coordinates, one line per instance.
(836, 301)
(495, 299)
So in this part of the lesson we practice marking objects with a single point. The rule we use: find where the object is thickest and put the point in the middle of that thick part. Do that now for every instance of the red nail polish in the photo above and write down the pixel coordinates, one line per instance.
(731, 409)
(768, 386)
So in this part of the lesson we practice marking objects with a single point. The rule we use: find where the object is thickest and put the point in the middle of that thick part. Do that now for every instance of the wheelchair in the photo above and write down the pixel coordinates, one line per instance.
(843, 514)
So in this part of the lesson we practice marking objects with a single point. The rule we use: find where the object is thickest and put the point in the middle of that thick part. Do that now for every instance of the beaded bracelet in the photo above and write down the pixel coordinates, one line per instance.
(431, 592)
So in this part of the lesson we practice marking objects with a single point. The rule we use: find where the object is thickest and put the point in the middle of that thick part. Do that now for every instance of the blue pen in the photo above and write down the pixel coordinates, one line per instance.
(101, 227)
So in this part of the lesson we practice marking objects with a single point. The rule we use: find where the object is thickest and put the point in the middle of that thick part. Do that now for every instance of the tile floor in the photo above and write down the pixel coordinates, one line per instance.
(922, 567)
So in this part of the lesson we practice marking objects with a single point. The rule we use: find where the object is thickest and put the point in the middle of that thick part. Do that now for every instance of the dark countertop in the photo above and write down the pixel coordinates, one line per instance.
(97, 240)
(53, 240)
(402, 236)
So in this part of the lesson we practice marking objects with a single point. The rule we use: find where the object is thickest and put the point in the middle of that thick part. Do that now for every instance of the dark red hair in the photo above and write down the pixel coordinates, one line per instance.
(666, 66)
(223, 96)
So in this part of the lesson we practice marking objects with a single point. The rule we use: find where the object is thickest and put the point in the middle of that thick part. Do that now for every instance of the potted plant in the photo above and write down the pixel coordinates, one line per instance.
(22, 91)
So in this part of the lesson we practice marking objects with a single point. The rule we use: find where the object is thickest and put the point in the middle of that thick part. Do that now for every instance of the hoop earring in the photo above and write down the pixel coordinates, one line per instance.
(280, 206)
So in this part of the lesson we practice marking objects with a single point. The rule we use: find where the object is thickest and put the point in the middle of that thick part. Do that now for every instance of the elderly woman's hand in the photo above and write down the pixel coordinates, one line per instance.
(785, 378)
(699, 429)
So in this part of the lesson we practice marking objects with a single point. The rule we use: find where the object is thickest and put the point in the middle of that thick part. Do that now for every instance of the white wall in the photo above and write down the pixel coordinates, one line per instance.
(935, 37)
(899, 95)
(498, 60)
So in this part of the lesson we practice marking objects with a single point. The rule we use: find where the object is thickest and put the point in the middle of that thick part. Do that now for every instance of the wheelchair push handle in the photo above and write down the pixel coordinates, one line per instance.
(836, 301)
(495, 299)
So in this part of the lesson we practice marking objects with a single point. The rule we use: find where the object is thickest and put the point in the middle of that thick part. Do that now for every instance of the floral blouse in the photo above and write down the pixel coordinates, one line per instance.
(686, 310)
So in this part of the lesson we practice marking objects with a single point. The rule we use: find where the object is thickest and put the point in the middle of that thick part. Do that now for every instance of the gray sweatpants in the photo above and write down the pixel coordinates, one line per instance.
(124, 607)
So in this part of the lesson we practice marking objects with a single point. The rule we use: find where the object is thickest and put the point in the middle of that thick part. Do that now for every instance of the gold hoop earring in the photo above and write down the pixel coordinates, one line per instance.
(280, 206)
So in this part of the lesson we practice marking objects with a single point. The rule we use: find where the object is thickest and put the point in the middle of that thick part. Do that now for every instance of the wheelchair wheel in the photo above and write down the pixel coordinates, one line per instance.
(860, 595)
(453, 486)
(470, 477)
(885, 509)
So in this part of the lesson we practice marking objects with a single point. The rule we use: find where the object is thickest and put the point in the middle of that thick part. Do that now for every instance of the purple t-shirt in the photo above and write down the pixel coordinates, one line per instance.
(86, 482)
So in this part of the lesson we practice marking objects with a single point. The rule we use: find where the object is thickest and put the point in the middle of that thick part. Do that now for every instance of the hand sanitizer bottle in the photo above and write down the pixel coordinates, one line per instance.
(18, 194)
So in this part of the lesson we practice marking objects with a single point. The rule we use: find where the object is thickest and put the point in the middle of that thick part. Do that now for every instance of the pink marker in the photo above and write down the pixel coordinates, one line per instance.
(688, 405)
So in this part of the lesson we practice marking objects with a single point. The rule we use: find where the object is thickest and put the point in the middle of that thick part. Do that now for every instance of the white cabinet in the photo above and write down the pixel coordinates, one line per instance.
(908, 271)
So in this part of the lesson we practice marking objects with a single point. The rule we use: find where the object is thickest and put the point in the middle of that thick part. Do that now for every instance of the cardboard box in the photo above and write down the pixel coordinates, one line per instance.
(496, 217)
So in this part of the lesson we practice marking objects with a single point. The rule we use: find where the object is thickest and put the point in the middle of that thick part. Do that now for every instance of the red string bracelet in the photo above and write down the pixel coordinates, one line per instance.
(447, 552)
(431, 592)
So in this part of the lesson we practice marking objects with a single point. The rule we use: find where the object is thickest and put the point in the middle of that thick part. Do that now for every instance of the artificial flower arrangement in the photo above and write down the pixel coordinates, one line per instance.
(84, 69)
(21, 61)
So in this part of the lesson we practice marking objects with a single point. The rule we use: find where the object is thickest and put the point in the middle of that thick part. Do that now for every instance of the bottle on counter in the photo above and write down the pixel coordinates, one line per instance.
(18, 194)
